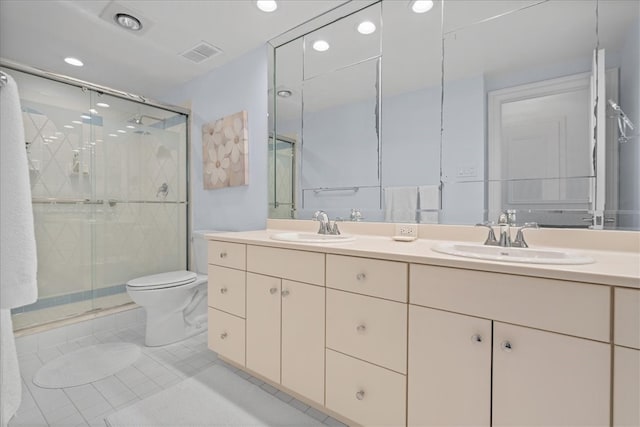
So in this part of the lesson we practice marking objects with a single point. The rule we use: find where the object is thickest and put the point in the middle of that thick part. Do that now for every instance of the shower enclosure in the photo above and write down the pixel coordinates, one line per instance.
(109, 186)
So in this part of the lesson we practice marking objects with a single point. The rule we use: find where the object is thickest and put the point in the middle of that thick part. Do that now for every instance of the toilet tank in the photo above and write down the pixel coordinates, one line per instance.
(199, 249)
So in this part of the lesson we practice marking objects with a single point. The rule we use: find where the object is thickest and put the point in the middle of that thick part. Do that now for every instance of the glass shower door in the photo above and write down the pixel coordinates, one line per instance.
(109, 187)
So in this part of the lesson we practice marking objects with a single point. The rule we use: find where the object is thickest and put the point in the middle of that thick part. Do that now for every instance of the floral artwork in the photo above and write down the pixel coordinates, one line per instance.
(225, 145)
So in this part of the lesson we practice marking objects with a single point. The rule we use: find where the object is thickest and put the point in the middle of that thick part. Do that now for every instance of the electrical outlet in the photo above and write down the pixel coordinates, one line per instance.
(407, 230)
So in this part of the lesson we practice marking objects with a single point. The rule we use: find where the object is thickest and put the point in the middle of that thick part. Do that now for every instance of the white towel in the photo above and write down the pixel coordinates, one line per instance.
(400, 204)
(10, 384)
(18, 262)
(429, 196)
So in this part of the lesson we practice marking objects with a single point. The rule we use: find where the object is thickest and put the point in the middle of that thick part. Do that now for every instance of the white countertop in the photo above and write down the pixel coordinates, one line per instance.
(610, 267)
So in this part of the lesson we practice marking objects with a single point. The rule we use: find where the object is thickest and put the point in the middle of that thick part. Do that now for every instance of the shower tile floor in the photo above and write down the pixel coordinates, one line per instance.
(157, 369)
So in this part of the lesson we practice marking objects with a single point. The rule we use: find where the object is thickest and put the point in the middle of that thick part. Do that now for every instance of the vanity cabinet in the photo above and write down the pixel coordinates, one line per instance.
(285, 323)
(537, 377)
(449, 380)
(626, 355)
(226, 300)
(367, 339)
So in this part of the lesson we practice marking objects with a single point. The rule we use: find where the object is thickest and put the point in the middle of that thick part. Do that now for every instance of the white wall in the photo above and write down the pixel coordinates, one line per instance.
(236, 86)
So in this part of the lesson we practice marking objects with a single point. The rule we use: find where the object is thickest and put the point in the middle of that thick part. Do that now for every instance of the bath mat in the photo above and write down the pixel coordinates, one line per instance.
(86, 365)
(214, 397)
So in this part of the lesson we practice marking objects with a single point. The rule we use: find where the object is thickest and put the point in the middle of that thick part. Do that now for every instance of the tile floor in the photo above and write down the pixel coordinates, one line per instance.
(156, 369)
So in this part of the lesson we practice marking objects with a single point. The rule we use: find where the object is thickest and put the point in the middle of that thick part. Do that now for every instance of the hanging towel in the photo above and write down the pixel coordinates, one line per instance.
(400, 204)
(429, 196)
(17, 237)
(10, 384)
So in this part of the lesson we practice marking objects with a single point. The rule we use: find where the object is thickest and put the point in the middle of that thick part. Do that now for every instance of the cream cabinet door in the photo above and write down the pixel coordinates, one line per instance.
(263, 325)
(449, 382)
(547, 379)
(626, 387)
(303, 339)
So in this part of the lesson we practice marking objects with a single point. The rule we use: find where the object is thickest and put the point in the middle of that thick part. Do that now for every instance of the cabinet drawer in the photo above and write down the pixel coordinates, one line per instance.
(626, 324)
(573, 308)
(227, 254)
(227, 290)
(226, 335)
(368, 328)
(301, 266)
(364, 393)
(384, 279)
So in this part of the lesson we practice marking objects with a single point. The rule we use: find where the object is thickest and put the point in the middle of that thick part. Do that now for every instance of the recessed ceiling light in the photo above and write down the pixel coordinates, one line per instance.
(113, 135)
(68, 126)
(93, 111)
(122, 131)
(73, 61)
(285, 93)
(98, 140)
(102, 104)
(131, 126)
(421, 6)
(320, 45)
(78, 122)
(366, 27)
(267, 5)
(128, 22)
(86, 117)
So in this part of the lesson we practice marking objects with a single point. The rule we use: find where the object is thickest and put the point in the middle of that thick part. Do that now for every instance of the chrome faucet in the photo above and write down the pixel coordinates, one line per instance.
(321, 216)
(506, 220)
(505, 230)
(356, 215)
(325, 224)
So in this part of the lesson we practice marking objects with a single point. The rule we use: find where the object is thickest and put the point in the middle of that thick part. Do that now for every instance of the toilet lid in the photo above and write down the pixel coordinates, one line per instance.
(169, 279)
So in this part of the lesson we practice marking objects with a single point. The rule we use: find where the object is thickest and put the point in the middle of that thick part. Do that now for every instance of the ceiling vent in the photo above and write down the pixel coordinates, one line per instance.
(201, 52)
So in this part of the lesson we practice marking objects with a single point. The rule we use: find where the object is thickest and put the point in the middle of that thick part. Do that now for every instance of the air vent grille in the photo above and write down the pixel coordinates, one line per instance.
(201, 52)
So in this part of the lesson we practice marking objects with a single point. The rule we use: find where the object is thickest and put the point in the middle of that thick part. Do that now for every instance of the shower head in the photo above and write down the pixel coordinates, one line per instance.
(138, 120)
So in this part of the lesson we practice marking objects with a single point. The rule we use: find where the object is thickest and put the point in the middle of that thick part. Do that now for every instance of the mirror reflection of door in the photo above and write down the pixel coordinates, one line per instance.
(282, 165)
(541, 151)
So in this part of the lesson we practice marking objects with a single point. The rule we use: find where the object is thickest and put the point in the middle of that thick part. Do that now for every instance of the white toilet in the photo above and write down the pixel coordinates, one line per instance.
(176, 301)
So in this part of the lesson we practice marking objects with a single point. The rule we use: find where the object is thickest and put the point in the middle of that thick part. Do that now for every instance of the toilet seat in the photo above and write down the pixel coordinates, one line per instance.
(171, 279)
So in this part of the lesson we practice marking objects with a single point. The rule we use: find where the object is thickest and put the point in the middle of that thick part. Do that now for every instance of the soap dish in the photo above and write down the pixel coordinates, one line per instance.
(404, 238)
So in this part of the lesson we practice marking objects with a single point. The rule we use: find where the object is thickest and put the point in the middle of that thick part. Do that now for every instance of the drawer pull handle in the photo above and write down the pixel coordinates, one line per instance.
(506, 346)
(476, 338)
(223, 254)
(285, 293)
(223, 290)
(361, 328)
(273, 290)
(223, 335)
(361, 276)
(360, 395)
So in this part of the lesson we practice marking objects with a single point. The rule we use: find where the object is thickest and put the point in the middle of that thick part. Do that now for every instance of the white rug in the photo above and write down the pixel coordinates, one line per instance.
(214, 397)
(86, 365)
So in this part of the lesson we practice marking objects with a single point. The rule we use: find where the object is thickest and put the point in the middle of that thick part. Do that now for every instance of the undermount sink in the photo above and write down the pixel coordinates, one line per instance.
(524, 255)
(312, 237)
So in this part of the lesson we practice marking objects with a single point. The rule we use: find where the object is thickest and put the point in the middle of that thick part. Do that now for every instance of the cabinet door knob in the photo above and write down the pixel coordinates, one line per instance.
(476, 338)
(223, 254)
(223, 335)
(506, 346)
(360, 395)
(285, 293)
(273, 290)
(223, 290)
(361, 328)
(361, 276)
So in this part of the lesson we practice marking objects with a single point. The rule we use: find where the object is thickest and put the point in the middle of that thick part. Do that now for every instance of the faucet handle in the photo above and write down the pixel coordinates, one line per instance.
(334, 229)
(519, 240)
(491, 238)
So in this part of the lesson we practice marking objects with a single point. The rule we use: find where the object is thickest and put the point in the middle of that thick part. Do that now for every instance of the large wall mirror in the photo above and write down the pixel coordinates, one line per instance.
(456, 114)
